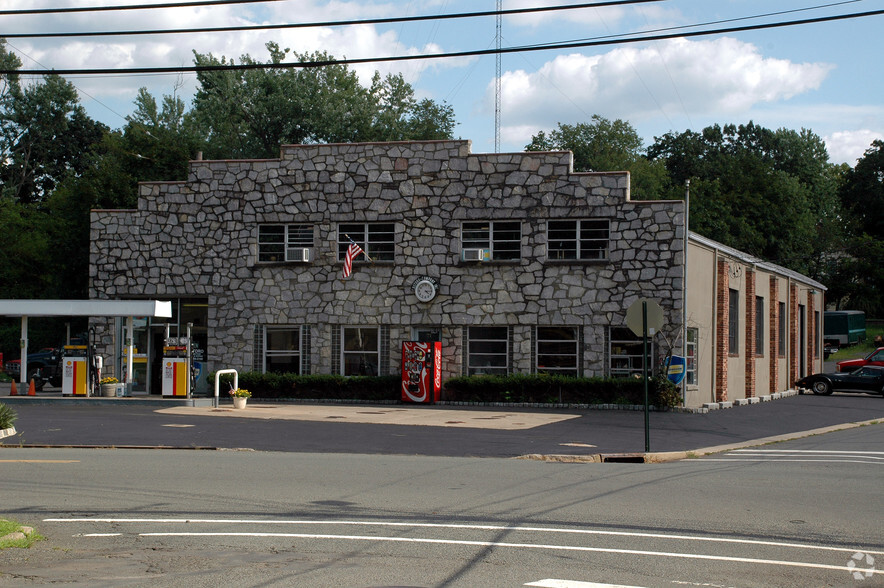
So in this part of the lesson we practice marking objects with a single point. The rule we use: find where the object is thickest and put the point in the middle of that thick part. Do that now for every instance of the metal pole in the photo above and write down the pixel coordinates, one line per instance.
(684, 292)
(645, 373)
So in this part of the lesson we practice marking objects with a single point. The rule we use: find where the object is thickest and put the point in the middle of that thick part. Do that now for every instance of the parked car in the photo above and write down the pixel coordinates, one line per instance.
(868, 379)
(874, 358)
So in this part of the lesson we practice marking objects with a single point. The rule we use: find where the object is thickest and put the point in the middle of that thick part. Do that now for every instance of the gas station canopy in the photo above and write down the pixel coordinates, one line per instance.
(72, 308)
(154, 308)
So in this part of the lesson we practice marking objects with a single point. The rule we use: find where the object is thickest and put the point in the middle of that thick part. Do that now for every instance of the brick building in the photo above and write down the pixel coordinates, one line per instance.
(513, 261)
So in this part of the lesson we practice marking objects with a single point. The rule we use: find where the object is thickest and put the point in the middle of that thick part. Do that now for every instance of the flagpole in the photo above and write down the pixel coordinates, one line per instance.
(357, 244)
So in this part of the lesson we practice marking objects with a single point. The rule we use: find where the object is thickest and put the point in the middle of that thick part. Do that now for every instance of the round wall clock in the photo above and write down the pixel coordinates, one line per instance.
(425, 289)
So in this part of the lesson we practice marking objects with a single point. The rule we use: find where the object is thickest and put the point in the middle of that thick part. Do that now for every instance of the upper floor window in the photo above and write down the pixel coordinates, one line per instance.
(578, 239)
(487, 240)
(285, 243)
(377, 240)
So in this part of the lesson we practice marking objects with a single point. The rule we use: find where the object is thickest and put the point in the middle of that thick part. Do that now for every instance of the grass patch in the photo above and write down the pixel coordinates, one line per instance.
(860, 349)
(8, 527)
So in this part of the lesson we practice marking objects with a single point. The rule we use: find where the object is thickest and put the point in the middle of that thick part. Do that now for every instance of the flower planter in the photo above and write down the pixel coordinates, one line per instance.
(108, 390)
(239, 402)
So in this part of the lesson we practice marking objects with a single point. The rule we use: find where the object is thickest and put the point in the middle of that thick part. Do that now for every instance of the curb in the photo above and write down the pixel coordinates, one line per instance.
(670, 456)
(7, 432)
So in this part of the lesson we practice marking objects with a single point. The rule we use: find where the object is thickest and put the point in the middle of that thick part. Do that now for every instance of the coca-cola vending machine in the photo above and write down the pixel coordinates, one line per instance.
(421, 371)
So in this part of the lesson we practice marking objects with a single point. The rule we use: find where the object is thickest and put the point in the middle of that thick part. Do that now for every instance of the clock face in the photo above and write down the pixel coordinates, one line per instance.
(425, 290)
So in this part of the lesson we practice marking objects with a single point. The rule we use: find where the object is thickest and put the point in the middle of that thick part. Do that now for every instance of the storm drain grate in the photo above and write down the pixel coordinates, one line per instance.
(623, 457)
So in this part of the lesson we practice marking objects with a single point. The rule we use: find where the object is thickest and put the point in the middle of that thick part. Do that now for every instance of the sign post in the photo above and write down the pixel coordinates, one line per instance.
(644, 317)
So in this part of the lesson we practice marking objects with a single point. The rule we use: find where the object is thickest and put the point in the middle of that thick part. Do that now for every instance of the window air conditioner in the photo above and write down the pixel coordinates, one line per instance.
(298, 254)
(474, 255)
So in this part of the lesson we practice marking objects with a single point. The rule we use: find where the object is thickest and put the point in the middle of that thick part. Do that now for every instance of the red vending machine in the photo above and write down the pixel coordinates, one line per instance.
(421, 371)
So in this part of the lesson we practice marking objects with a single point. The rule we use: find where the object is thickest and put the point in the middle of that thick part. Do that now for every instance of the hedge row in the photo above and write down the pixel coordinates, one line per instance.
(517, 388)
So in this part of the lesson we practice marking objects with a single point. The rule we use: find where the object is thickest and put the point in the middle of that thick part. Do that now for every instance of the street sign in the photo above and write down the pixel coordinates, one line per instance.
(676, 370)
(634, 317)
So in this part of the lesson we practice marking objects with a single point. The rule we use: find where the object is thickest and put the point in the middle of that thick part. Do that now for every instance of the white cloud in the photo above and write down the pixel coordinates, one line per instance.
(724, 77)
(848, 146)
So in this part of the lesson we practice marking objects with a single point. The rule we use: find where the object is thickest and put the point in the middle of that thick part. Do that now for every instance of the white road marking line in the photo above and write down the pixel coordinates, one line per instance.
(807, 451)
(784, 460)
(554, 583)
(850, 550)
(100, 535)
(749, 560)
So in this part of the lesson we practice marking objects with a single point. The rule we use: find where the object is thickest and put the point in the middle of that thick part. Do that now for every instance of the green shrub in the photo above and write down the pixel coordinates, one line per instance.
(516, 388)
(7, 417)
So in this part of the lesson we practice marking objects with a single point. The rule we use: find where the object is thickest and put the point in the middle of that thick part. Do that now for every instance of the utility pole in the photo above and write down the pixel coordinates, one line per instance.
(497, 72)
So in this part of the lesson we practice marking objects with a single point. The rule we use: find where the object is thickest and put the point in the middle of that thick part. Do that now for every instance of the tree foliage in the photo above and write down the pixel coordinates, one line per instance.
(605, 145)
(249, 113)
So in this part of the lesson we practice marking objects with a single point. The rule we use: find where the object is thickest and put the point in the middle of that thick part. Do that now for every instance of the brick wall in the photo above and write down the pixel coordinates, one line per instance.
(750, 333)
(774, 334)
(794, 335)
(721, 330)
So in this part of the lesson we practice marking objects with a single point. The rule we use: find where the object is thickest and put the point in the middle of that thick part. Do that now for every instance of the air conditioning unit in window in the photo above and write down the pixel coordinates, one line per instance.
(474, 255)
(298, 254)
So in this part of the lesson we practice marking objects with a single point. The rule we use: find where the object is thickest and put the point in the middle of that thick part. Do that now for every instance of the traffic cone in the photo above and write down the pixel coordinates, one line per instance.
(13, 391)
(32, 389)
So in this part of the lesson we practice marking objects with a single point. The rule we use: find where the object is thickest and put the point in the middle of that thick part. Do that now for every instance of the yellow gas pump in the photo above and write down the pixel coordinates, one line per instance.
(176, 367)
(75, 371)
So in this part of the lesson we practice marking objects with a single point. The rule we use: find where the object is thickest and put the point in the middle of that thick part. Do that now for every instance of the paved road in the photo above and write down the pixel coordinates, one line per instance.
(437, 431)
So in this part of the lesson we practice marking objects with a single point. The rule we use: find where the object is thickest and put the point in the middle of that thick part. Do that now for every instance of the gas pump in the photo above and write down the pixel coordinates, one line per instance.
(75, 371)
(176, 366)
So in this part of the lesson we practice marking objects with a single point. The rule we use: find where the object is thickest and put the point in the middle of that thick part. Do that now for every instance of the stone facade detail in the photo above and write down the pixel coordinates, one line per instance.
(199, 238)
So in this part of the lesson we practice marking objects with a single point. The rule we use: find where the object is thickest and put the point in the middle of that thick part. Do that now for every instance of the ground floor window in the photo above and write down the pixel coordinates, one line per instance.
(488, 350)
(626, 353)
(282, 350)
(690, 377)
(360, 351)
(557, 350)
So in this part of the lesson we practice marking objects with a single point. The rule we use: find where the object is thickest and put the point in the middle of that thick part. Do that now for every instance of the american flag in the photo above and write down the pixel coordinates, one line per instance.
(352, 251)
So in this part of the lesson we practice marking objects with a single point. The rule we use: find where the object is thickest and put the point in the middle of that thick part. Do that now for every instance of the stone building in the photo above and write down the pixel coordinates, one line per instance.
(513, 261)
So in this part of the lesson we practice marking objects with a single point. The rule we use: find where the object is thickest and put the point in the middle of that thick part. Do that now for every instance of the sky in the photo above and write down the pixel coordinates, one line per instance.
(825, 77)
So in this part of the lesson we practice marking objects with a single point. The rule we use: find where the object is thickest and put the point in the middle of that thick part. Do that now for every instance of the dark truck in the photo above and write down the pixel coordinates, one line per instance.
(43, 366)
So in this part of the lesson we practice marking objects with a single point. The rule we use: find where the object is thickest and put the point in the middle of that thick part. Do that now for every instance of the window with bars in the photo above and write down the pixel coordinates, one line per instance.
(377, 240)
(282, 349)
(361, 351)
(488, 350)
(278, 243)
(557, 350)
(497, 240)
(579, 240)
(626, 353)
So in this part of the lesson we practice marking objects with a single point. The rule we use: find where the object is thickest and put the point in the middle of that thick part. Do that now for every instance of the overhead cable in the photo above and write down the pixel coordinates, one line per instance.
(338, 23)
(520, 49)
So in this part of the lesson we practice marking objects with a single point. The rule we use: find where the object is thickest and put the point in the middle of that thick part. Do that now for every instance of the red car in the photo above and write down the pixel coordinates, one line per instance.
(874, 358)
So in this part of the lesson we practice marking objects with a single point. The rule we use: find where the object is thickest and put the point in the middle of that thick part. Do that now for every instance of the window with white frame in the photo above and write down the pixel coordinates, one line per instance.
(557, 350)
(579, 240)
(377, 240)
(488, 350)
(282, 349)
(360, 351)
(292, 243)
(496, 240)
(691, 357)
(626, 353)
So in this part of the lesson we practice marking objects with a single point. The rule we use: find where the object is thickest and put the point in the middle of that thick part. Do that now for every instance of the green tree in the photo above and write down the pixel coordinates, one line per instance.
(605, 145)
(769, 193)
(251, 112)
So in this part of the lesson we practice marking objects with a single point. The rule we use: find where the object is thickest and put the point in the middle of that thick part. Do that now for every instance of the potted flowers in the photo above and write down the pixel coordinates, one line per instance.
(109, 386)
(240, 396)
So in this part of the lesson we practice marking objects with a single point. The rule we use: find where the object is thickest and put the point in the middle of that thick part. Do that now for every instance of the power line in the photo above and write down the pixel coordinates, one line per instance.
(337, 23)
(129, 7)
(520, 49)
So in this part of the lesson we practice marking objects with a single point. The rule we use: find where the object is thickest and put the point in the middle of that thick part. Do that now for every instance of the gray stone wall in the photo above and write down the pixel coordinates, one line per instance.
(199, 238)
